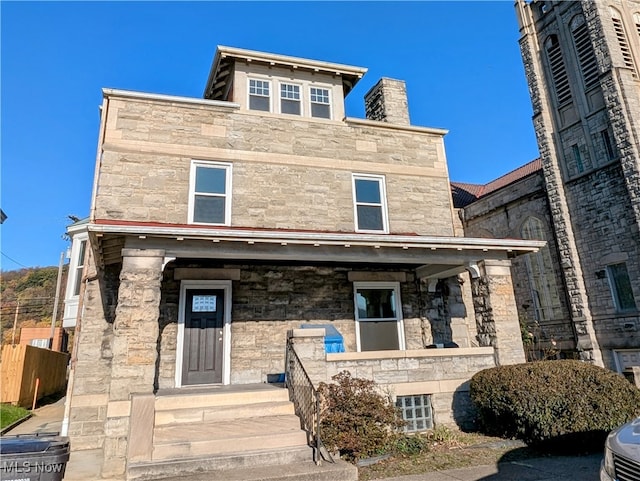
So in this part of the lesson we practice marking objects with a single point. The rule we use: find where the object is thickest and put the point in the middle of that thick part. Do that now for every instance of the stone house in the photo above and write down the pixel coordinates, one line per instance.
(581, 291)
(221, 227)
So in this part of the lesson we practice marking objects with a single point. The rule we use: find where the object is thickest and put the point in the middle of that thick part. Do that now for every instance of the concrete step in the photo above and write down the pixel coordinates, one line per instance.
(227, 436)
(301, 471)
(248, 395)
(224, 412)
(224, 463)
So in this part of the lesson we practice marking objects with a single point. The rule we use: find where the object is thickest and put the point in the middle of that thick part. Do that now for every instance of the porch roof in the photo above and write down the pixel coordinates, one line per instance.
(433, 255)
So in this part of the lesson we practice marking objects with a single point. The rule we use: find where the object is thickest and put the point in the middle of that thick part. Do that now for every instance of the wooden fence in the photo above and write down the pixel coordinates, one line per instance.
(23, 365)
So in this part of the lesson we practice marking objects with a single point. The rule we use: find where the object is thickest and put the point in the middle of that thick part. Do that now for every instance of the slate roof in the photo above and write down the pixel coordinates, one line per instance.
(464, 194)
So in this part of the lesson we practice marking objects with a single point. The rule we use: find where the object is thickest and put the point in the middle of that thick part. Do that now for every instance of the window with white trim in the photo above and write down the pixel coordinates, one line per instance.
(290, 99)
(79, 268)
(210, 193)
(320, 102)
(416, 411)
(378, 313)
(620, 285)
(42, 343)
(370, 203)
(260, 95)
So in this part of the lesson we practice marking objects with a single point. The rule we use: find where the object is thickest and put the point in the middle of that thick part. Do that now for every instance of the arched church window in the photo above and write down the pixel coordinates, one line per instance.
(542, 280)
(558, 70)
(636, 21)
(623, 42)
(584, 51)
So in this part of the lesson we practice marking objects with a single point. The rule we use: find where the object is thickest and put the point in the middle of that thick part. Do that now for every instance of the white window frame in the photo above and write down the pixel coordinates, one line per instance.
(71, 300)
(195, 164)
(269, 97)
(300, 97)
(395, 286)
(329, 97)
(226, 330)
(383, 202)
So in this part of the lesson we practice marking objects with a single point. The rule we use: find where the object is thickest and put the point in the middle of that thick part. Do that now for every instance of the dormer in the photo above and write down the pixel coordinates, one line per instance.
(267, 83)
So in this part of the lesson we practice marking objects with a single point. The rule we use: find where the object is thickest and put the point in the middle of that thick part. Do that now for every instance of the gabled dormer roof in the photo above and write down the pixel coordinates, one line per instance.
(222, 68)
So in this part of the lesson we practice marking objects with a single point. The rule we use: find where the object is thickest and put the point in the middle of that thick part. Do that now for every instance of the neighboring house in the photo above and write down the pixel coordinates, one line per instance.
(40, 337)
(579, 295)
(77, 232)
(221, 226)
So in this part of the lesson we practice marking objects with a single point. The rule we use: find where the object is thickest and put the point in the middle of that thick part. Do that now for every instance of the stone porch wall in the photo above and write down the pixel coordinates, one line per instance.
(442, 373)
(270, 300)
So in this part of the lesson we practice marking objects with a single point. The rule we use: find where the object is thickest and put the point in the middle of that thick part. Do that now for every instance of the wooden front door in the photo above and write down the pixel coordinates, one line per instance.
(203, 330)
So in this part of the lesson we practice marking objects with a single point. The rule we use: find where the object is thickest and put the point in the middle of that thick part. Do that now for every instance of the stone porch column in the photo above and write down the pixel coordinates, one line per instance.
(496, 313)
(135, 337)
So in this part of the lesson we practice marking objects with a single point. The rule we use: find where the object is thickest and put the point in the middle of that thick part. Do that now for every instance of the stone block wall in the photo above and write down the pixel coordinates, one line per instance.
(596, 211)
(269, 300)
(441, 373)
(303, 166)
(92, 356)
(502, 214)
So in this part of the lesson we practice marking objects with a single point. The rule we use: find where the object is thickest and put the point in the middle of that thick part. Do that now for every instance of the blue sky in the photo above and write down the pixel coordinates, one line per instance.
(460, 61)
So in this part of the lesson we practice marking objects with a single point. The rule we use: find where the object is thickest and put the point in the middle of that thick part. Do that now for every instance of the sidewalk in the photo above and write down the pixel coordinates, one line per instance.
(85, 465)
(82, 465)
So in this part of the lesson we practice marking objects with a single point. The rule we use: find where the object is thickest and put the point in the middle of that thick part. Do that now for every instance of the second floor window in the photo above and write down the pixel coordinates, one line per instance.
(259, 95)
(290, 99)
(320, 103)
(370, 203)
(210, 198)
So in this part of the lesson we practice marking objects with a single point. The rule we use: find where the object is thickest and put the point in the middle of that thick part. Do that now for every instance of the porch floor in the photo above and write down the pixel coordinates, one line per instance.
(219, 388)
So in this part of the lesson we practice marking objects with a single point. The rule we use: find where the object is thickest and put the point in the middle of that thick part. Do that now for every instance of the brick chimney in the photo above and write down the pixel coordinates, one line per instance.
(387, 102)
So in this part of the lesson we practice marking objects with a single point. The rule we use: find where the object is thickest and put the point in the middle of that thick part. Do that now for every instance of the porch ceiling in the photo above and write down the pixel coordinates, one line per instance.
(438, 256)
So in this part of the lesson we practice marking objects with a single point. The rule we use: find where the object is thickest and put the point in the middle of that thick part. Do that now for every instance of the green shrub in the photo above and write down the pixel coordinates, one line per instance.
(553, 404)
(411, 444)
(356, 420)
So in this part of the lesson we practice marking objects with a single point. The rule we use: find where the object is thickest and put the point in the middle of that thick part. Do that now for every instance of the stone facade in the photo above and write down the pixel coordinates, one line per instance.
(269, 213)
(590, 155)
(505, 213)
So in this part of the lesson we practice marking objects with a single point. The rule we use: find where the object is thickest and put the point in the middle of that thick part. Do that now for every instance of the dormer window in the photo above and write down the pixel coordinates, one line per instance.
(259, 95)
(320, 103)
(290, 99)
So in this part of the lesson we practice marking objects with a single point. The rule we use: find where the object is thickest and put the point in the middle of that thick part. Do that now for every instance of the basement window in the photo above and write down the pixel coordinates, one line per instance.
(416, 411)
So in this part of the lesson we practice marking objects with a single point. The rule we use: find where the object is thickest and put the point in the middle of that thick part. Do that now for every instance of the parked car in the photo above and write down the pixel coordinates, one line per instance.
(622, 454)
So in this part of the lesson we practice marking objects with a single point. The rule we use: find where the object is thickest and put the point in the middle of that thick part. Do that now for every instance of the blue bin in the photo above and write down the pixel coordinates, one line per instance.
(333, 341)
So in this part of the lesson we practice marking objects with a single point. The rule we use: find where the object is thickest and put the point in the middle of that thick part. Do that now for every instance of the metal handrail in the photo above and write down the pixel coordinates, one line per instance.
(306, 401)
